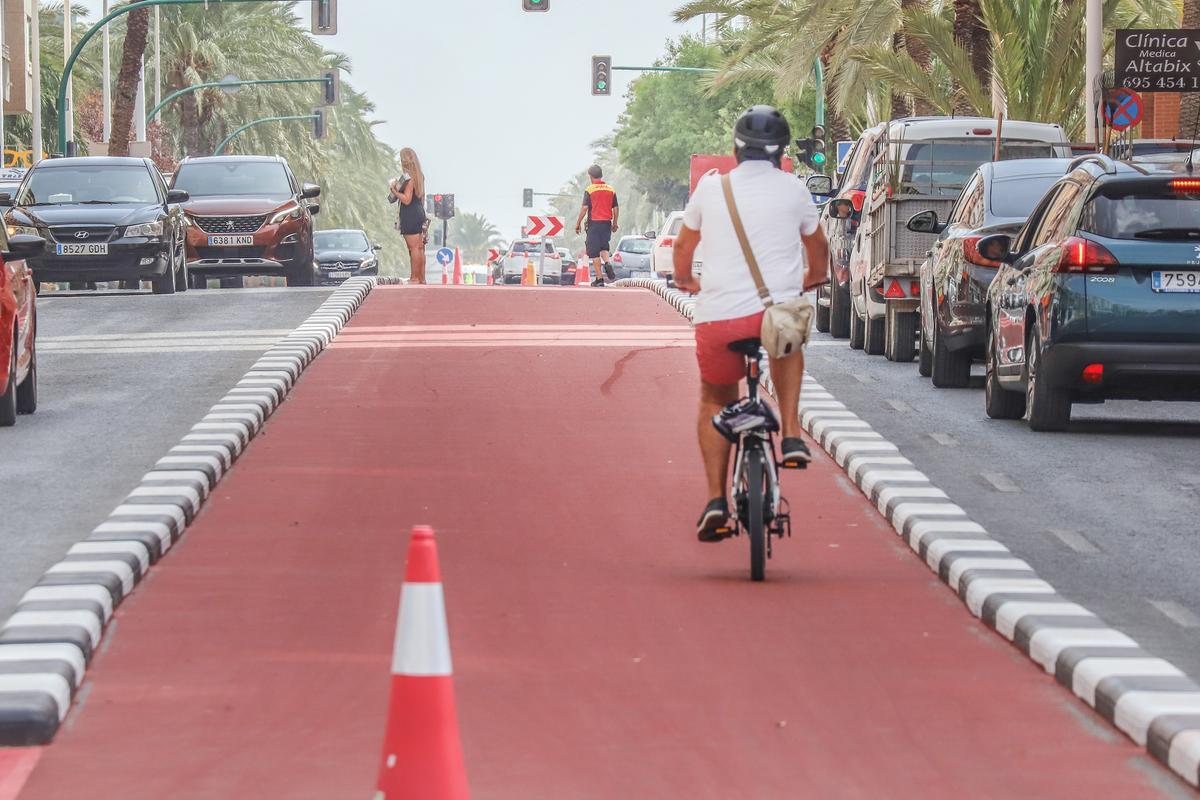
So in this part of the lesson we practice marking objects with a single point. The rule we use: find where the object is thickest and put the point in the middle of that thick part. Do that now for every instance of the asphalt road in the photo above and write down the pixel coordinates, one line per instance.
(1106, 512)
(122, 377)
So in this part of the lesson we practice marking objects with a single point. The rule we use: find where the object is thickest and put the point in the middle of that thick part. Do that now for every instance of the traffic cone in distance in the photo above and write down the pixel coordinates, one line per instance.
(528, 276)
(445, 277)
(458, 276)
(422, 753)
(491, 279)
(583, 275)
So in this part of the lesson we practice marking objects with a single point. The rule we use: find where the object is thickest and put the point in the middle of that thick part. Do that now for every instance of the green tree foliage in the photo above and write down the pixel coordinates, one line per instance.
(671, 116)
(473, 234)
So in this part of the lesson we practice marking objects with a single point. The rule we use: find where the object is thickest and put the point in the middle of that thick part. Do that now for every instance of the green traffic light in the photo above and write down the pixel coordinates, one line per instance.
(601, 85)
(818, 158)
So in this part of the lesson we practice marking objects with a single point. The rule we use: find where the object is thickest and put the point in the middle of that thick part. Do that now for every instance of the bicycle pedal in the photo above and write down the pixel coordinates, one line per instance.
(793, 464)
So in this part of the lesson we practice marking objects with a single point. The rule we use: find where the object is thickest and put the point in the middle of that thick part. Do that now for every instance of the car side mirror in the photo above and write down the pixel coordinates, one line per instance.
(925, 222)
(310, 191)
(820, 185)
(997, 247)
(6, 200)
(24, 245)
(314, 208)
(840, 209)
(177, 196)
(651, 234)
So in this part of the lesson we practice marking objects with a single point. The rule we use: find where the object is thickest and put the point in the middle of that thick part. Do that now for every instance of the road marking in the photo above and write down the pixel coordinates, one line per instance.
(899, 405)
(1075, 540)
(1001, 482)
(944, 439)
(863, 377)
(507, 336)
(256, 340)
(1182, 616)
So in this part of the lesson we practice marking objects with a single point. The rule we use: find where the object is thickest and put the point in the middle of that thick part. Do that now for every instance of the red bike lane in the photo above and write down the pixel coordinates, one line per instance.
(599, 650)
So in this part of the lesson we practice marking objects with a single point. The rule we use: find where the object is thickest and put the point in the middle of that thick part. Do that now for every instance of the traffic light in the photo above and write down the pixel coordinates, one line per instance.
(320, 123)
(528, 198)
(443, 206)
(601, 75)
(324, 17)
(332, 87)
(804, 151)
(535, 5)
(818, 152)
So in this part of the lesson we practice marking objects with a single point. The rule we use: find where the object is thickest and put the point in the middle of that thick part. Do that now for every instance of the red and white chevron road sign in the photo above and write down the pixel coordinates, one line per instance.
(493, 255)
(544, 226)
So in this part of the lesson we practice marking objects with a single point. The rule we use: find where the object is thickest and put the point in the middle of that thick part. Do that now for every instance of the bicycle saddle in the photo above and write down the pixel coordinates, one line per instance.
(747, 347)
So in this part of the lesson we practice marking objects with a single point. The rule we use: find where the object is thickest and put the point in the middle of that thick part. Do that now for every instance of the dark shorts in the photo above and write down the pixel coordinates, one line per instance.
(412, 218)
(599, 238)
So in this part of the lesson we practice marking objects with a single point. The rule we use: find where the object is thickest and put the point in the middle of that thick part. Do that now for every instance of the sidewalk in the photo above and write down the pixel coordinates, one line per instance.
(599, 650)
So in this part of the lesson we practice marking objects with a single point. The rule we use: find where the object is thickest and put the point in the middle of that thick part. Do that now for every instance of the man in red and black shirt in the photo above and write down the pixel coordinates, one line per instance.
(601, 209)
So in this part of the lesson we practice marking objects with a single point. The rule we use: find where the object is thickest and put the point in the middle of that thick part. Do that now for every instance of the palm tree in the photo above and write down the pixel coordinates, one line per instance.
(133, 51)
(473, 234)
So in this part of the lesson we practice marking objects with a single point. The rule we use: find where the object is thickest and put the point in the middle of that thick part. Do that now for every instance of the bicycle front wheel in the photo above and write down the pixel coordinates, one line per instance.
(755, 478)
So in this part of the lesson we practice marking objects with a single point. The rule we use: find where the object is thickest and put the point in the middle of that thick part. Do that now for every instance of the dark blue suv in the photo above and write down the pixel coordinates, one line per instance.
(1098, 297)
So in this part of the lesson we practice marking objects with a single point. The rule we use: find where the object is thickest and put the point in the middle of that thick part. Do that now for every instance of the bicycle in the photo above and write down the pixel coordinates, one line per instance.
(751, 424)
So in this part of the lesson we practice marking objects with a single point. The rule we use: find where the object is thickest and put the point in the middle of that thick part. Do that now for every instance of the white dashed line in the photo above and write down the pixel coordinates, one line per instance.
(1075, 540)
(1001, 482)
(944, 439)
(1180, 615)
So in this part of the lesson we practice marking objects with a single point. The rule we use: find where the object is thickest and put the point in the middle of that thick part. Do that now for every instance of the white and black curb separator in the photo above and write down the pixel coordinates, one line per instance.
(1147, 698)
(48, 641)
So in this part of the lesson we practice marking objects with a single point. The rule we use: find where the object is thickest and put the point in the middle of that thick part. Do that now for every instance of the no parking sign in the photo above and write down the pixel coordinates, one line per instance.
(1123, 109)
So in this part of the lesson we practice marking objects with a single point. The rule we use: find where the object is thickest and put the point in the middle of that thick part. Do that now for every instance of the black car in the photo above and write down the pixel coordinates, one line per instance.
(342, 254)
(955, 278)
(103, 219)
(1099, 295)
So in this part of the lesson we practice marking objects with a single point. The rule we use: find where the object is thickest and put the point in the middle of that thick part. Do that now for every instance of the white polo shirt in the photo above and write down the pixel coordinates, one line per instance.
(776, 209)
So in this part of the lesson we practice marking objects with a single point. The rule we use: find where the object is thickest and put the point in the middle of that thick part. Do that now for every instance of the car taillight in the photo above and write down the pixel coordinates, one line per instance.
(617, 257)
(666, 242)
(1083, 255)
(1185, 185)
(857, 199)
(893, 290)
(1093, 374)
(971, 253)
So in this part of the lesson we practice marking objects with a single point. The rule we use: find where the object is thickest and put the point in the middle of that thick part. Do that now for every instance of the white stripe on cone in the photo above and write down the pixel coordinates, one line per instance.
(422, 640)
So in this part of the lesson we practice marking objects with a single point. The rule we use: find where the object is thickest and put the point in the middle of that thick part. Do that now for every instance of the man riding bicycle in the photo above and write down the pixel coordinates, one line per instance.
(780, 221)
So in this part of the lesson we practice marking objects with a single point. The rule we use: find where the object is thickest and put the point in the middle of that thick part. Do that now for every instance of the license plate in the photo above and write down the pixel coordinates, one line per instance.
(640, 274)
(1179, 280)
(340, 274)
(98, 249)
(230, 241)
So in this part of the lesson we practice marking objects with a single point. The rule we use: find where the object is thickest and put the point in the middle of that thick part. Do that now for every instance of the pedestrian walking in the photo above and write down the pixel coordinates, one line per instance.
(409, 191)
(600, 211)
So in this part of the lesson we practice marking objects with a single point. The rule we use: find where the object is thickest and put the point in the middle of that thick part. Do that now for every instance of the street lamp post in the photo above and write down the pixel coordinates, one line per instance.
(1094, 64)
(226, 84)
(294, 117)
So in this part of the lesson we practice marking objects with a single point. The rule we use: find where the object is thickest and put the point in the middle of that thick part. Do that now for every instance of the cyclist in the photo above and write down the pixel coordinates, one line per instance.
(781, 224)
(601, 209)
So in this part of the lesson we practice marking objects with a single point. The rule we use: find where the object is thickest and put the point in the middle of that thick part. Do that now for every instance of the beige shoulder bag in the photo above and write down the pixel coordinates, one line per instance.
(785, 326)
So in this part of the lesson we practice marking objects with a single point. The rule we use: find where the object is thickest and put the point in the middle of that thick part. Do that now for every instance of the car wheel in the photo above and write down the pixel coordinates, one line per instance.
(165, 283)
(900, 344)
(8, 400)
(839, 309)
(857, 329)
(198, 281)
(998, 401)
(873, 334)
(181, 272)
(27, 391)
(951, 370)
(822, 315)
(233, 282)
(1047, 408)
(924, 354)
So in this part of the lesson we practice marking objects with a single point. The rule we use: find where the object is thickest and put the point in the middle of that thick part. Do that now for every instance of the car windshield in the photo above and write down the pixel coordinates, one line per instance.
(943, 166)
(89, 184)
(1136, 216)
(223, 178)
(639, 247)
(676, 224)
(342, 240)
(1016, 196)
(527, 247)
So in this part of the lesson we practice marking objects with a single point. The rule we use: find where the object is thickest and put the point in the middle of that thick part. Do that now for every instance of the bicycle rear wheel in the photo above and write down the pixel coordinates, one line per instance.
(755, 511)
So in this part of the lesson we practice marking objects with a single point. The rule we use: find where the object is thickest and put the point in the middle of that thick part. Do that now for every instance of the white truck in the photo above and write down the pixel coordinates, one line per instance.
(921, 164)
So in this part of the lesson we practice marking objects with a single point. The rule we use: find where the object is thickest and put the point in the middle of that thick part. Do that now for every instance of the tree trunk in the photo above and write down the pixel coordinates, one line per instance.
(134, 51)
(899, 102)
(837, 126)
(1189, 106)
(189, 120)
(972, 36)
(919, 53)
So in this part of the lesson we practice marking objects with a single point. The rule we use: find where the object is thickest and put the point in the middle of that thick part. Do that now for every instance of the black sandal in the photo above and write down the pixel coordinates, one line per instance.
(714, 522)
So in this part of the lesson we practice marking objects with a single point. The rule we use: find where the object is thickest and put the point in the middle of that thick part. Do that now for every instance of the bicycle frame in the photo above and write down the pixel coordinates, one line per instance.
(764, 441)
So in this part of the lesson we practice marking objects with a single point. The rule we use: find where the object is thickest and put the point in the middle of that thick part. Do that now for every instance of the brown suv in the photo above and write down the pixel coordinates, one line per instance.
(247, 216)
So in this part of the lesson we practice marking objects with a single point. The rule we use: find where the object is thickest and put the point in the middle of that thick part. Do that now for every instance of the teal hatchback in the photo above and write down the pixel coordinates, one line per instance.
(1098, 297)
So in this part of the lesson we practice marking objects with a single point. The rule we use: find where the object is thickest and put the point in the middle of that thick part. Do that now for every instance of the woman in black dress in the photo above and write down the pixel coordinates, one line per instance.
(409, 191)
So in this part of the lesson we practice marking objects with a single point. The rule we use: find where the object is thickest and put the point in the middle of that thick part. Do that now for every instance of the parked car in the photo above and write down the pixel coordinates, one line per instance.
(539, 252)
(662, 258)
(955, 278)
(10, 179)
(102, 219)
(569, 266)
(833, 299)
(248, 215)
(343, 254)
(18, 326)
(920, 163)
(631, 259)
(1150, 147)
(1098, 296)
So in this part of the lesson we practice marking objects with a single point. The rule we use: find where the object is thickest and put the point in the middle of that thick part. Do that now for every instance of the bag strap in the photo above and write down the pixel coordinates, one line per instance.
(764, 293)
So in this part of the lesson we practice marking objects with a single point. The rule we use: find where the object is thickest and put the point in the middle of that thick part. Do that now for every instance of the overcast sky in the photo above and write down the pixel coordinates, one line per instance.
(492, 98)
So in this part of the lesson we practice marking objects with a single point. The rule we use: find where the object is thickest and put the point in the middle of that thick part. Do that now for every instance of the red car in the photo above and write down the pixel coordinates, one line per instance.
(18, 327)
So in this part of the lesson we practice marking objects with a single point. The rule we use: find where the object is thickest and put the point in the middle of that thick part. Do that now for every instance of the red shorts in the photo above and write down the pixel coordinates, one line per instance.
(719, 364)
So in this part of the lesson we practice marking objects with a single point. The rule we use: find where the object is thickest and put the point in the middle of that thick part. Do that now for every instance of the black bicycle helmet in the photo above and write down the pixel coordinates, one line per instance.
(761, 133)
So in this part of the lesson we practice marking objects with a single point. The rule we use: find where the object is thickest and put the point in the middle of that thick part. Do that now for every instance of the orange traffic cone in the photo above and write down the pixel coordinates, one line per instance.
(583, 274)
(528, 275)
(458, 276)
(445, 277)
(491, 279)
(422, 754)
